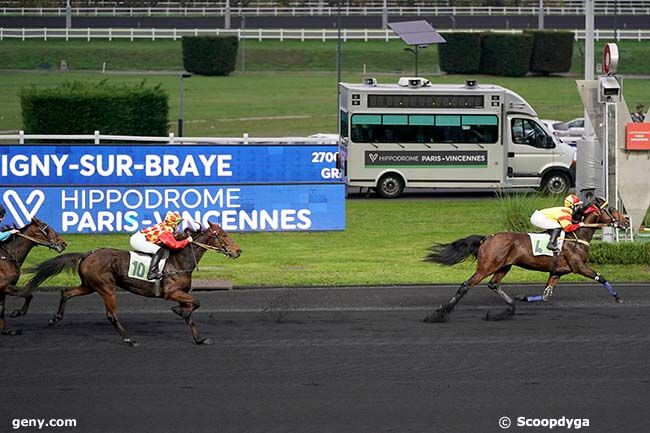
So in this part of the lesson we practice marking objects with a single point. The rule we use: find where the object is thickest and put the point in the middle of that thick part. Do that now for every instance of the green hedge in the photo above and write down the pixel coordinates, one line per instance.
(82, 108)
(552, 51)
(505, 54)
(461, 54)
(210, 55)
(623, 253)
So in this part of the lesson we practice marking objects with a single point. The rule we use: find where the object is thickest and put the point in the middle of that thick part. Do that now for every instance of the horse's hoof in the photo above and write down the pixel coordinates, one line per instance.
(505, 315)
(436, 317)
(203, 341)
(12, 332)
(16, 313)
(619, 300)
(52, 322)
(131, 343)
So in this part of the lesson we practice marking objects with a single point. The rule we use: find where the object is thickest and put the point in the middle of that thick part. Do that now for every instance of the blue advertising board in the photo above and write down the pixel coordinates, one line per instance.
(164, 164)
(123, 188)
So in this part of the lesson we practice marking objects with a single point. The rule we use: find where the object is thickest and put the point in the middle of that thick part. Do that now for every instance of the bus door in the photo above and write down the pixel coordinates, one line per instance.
(530, 148)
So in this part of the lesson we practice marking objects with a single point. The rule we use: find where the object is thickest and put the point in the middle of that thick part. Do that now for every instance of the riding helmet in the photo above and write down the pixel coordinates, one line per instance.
(572, 200)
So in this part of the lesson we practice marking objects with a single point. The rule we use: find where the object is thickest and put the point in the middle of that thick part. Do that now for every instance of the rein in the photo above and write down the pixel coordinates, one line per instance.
(209, 247)
(36, 241)
(196, 263)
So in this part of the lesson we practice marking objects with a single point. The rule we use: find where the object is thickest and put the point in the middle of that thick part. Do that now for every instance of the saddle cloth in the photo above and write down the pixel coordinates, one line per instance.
(539, 242)
(139, 265)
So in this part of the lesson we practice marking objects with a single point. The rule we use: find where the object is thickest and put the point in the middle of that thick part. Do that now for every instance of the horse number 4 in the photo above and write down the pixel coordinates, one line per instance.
(538, 247)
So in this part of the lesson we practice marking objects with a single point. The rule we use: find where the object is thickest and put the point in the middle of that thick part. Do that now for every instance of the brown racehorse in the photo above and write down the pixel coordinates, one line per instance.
(105, 269)
(13, 253)
(497, 253)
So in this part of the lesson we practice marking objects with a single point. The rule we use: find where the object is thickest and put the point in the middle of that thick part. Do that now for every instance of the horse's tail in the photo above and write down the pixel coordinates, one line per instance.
(52, 267)
(455, 252)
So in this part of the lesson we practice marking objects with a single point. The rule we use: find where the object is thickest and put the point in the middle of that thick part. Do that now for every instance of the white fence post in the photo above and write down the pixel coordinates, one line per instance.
(96, 137)
(21, 137)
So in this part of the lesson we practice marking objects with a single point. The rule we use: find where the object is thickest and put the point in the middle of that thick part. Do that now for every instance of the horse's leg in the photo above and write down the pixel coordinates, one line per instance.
(441, 313)
(3, 328)
(110, 302)
(186, 305)
(494, 286)
(65, 295)
(22, 310)
(584, 270)
(551, 283)
(13, 291)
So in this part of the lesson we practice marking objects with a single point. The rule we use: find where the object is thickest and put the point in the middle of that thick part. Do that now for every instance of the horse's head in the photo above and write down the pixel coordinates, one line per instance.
(40, 233)
(220, 240)
(599, 211)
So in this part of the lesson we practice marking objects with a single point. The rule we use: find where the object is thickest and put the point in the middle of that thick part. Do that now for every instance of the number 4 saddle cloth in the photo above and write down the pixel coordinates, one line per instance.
(539, 242)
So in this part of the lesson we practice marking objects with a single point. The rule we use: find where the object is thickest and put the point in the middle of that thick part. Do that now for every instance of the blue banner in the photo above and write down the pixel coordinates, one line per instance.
(166, 164)
(128, 209)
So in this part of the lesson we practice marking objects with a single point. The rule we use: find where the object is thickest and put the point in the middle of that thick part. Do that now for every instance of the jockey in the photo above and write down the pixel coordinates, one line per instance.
(557, 219)
(5, 234)
(152, 239)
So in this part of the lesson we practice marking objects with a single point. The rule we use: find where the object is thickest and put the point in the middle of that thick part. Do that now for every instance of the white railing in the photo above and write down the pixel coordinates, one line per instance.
(96, 138)
(577, 9)
(266, 34)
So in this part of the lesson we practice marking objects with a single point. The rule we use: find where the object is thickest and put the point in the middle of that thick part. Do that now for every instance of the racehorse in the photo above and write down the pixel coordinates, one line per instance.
(105, 269)
(13, 253)
(497, 253)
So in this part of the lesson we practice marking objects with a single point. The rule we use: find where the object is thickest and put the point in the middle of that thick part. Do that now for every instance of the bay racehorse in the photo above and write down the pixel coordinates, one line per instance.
(105, 269)
(497, 253)
(13, 253)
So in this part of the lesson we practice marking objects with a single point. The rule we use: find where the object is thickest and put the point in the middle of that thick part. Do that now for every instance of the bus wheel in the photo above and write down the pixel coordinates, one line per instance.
(556, 183)
(390, 185)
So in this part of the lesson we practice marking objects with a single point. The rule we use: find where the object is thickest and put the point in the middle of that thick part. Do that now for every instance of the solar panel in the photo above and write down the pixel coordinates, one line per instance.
(416, 32)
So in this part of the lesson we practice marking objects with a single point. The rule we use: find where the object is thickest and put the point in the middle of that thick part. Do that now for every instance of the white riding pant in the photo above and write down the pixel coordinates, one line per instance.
(540, 220)
(139, 243)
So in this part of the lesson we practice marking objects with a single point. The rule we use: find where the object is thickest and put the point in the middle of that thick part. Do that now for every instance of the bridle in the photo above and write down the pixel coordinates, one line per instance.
(223, 247)
(43, 228)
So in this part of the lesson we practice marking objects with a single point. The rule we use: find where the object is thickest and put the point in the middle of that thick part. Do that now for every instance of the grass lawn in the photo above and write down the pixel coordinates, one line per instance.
(384, 243)
(288, 103)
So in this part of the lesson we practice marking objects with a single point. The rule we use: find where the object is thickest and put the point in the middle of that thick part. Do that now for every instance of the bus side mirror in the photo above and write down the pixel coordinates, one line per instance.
(549, 142)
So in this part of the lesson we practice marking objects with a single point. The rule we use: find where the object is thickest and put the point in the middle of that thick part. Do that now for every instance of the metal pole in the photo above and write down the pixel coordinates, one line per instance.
(540, 20)
(226, 16)
(416, 60)
(338, 45)
(243, 48)
(589, 54)
(180, 107)
(68, 15)
(384, 15)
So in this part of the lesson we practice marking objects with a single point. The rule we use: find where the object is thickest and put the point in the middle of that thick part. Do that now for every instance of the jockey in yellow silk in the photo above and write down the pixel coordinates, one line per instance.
(557, 219)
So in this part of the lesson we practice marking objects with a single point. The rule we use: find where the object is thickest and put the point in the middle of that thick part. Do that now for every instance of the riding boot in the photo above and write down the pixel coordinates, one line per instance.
(552, 242)
(154, 274)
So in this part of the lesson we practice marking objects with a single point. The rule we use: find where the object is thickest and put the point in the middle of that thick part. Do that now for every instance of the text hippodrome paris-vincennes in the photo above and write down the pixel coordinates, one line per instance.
(116, 165)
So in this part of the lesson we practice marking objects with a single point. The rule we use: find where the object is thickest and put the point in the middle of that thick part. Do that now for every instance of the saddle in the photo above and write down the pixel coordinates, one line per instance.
(139, 264)
(539, 242)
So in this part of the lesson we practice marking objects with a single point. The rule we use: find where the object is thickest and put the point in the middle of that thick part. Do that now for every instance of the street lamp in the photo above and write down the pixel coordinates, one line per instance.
(181, 92)
(415, 51)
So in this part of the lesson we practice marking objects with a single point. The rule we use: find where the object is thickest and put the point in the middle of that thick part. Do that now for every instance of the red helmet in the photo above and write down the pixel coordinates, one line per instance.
(572, 200)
